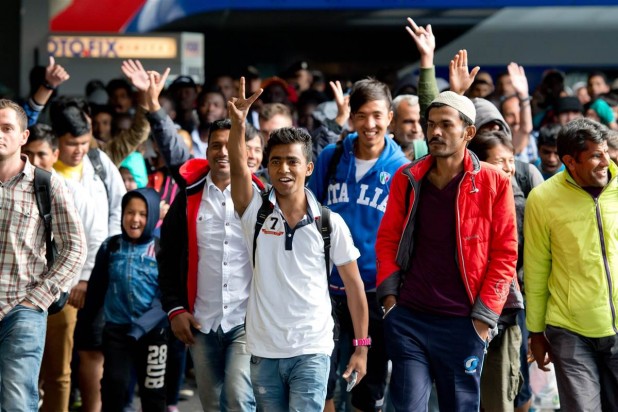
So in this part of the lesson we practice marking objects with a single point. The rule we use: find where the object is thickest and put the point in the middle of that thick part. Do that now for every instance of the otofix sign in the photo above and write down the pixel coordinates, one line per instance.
(112, 47)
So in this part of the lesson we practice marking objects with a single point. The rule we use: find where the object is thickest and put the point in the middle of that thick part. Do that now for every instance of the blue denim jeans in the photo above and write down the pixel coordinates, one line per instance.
(295, 384)
(221, 364)
(22, 339)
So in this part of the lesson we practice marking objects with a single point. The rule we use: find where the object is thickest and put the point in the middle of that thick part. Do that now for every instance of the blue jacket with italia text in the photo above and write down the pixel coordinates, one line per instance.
(361, 204)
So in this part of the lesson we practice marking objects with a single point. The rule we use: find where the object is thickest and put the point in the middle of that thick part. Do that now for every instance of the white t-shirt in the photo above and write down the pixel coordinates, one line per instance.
(289, 310)
(363, 166)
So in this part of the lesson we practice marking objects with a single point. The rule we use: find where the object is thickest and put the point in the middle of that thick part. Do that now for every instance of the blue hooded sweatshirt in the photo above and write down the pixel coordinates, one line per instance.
(361, 204)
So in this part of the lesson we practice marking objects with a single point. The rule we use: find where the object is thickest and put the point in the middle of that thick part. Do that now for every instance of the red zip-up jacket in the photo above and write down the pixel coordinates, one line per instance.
(178, 254)
(486, 231)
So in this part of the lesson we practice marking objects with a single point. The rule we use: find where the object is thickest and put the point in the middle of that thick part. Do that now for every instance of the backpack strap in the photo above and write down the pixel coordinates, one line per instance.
(333, 163)
(42, 192)
(97, 164)
(324, 227)
(265, 210)
(522, 176)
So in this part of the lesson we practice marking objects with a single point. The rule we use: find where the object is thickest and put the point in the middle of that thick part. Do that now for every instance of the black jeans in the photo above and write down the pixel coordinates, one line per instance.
(368, 395)
(148, 356)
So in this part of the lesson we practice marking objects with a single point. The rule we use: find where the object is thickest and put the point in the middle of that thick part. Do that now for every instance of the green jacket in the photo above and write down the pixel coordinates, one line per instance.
(571, 257)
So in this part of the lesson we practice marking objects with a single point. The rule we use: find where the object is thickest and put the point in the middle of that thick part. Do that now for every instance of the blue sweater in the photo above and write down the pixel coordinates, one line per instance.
(361, 204)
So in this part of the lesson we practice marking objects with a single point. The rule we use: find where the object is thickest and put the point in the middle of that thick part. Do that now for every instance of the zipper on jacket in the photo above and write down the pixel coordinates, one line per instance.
(412, 191)
(605, 262)
(603, 248)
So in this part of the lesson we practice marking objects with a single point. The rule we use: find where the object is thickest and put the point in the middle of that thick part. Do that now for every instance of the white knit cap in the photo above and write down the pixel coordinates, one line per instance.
(460, 103)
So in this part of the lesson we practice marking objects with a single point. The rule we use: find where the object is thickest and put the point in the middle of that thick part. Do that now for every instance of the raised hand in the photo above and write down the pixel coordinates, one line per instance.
(238, 107)
(425, 41)
(136, 74)
(342, 101)
(518, 79)
(459, 77)
(156, 83)
(55, 74)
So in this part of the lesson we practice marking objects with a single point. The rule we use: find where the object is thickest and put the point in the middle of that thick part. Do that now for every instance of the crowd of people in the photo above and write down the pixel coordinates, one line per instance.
(414, 246)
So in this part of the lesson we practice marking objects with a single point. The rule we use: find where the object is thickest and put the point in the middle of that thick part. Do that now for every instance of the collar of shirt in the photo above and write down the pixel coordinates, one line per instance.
(313, 208)
(210, 185)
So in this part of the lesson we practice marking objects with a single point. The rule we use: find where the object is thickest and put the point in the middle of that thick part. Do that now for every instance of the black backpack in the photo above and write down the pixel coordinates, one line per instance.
(523, 178)
(42, 192)
(324, 227)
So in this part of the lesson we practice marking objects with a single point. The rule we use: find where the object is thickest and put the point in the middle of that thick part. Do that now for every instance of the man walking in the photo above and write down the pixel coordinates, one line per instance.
(27, 285)
(358, 188)
(571, 267)
(205, 275)
(446, 253)
(289, 322)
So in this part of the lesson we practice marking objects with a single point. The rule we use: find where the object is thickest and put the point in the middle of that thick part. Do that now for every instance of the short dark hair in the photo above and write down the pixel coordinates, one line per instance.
(117, 119)
(70, 115)
(93, 85)
(102, 108)
(548, 135)
(212, 89)
(116, 84)
(42, 132)
(483, 142)
(573, 137)
(221, 124)
(598, 73)
(465, 119)
(369, 90)
(64, 101)
(290, 135)
(22, 117)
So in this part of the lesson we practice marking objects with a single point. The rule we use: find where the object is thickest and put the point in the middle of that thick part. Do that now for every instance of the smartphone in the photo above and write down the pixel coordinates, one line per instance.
(352, 380)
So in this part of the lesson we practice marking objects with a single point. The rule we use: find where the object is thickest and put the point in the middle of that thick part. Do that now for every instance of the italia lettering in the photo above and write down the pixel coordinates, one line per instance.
(373, 197)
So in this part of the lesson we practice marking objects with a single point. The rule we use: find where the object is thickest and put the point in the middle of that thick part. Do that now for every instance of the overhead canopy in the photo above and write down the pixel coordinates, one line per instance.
(540, 36)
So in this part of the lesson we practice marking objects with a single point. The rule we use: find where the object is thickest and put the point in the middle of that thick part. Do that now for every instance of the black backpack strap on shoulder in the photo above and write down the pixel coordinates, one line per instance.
(97, 164)
(42, 192)
(265, 210)
(522, 176)
(324, 228)
(332, 165)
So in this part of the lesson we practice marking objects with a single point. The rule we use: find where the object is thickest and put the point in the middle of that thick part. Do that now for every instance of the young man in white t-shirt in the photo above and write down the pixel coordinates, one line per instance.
(289, 323)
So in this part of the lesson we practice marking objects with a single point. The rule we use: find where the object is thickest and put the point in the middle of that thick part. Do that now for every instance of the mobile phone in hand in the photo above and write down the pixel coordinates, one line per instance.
(352, 380)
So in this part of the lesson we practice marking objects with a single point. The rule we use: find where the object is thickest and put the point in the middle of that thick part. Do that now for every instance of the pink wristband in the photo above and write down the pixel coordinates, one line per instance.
(362, 342)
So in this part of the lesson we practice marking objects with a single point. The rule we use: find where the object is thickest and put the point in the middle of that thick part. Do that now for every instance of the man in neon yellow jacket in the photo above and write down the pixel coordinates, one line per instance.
(571, 267)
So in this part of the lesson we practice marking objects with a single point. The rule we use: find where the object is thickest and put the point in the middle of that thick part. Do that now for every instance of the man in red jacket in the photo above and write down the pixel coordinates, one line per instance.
(446, 252)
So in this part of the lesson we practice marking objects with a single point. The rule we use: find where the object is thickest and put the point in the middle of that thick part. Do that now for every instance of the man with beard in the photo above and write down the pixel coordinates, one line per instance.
(443, 285)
